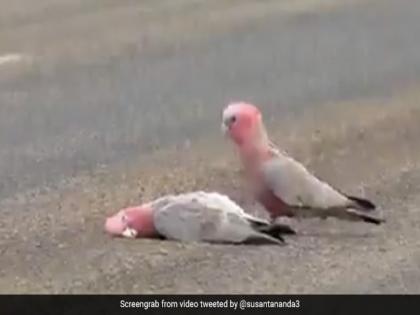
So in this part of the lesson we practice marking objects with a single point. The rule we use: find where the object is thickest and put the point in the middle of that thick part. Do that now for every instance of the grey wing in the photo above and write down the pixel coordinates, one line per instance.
(228, 205)
(193, 222)
(161, 201)
(296, 186)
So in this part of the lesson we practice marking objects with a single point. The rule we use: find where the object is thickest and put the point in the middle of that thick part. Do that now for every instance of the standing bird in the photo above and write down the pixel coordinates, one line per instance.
(195, 217)
(281, 184)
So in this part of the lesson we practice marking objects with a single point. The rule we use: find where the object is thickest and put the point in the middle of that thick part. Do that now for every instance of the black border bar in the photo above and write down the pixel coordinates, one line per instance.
(209, 304)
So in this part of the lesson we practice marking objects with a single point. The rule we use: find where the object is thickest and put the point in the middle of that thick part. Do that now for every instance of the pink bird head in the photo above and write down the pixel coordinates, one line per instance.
(242, 122)
(132, 222)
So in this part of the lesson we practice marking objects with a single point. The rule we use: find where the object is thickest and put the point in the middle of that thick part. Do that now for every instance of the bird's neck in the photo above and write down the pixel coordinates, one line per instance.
(254, 153)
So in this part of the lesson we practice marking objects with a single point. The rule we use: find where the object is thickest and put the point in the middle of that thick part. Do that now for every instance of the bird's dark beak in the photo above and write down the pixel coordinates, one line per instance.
(224, 128)
(226, 125)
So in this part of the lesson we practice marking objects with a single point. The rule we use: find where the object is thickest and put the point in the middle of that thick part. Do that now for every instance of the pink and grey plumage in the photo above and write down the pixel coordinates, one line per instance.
(283, 185)
(195, 217)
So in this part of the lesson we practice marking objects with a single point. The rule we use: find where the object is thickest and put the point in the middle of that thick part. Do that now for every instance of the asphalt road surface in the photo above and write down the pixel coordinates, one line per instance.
(109, 103)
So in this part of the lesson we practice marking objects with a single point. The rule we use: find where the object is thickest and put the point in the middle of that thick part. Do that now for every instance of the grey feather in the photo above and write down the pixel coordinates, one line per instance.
(297, 187)
(207, 217)
(308, 196)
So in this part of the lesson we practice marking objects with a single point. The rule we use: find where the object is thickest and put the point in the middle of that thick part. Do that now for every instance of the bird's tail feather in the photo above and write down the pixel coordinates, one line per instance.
(256, 222)
(261, 238)
(362, 204)
(269, 228)
(361, 216)
(275, 229)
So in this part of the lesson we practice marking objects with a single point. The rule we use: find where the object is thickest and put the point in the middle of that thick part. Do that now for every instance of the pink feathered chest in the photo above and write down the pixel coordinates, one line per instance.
(273, 204)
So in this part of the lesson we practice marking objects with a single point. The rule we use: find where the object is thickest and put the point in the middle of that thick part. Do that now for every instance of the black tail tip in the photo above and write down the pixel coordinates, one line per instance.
(259, 240)
(363, 203)
(275, 229)
(373, 220)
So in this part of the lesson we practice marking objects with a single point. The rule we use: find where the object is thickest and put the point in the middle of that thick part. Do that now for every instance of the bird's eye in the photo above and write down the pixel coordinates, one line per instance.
(232, 119)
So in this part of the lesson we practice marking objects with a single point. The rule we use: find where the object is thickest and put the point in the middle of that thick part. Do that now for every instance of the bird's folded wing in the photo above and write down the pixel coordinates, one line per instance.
(194, 222)
(297, 187)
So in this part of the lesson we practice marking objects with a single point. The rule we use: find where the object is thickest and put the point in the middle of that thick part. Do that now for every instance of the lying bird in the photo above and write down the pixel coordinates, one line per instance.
(281, 184)
(195, 217)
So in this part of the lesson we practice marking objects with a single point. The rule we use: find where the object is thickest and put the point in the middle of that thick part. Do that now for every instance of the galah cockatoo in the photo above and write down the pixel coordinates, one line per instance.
(281, 184)
(195, 217)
